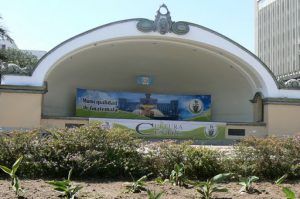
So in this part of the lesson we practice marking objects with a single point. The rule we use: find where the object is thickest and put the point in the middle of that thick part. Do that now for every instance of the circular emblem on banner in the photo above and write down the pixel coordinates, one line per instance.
(211, 131)
(195, 106)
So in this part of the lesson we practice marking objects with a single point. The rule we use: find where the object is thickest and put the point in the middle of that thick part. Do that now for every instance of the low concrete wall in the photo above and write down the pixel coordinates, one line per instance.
(251, 129)
(56, 122)
(282, 119)
(20, 110)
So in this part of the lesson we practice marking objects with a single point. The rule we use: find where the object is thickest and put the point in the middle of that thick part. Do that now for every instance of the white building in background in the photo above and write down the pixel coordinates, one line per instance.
(4, 44)
(278, 36)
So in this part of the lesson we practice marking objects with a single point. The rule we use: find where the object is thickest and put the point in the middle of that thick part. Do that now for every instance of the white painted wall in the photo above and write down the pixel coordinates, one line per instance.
(176, 69)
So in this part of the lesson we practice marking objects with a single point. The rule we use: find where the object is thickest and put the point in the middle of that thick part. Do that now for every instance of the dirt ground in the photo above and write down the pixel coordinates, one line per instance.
(39, 189)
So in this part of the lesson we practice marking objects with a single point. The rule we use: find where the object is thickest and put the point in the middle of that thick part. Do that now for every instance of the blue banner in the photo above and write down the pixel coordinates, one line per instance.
(129, 105)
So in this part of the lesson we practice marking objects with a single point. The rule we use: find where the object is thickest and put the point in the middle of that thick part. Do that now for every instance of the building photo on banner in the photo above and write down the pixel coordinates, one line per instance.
(146, 107)
(128, 105)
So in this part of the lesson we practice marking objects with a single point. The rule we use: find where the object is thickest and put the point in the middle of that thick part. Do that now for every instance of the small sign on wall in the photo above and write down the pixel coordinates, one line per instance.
(144, 80)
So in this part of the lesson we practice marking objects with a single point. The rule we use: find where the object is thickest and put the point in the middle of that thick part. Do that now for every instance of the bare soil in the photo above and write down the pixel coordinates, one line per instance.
(39, 189)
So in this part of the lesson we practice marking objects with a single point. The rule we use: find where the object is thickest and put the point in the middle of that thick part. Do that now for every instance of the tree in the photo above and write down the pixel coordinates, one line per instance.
(19, 57)
(16, 56)
(13, 56)
(4, 34)
(22, 61)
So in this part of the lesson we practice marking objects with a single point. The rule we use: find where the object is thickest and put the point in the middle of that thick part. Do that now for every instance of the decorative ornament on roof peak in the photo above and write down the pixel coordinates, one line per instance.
(163, 23)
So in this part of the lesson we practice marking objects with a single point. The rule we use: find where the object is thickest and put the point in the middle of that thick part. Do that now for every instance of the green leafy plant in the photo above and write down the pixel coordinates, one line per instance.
(267, 157)
(136, 186)
(15, 182)
(19, 57)
(203, 162)
(65, 187)
(161, 181)
(206, 189)
(177, 176)
(90, 150)
(289, 194)
(153, 195)
(247, 184)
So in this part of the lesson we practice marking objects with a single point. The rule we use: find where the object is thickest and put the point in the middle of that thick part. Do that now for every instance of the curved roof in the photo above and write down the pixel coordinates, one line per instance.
(198, 36)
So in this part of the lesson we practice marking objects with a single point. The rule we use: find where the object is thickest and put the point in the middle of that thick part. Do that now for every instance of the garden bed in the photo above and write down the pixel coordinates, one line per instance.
(39, 189)
(93, 152)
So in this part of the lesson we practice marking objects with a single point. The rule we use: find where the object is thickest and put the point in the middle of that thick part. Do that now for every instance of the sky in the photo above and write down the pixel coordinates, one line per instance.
(43, 24)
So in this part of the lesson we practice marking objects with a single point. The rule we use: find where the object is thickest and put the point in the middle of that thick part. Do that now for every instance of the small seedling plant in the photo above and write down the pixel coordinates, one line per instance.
(153, 195)
(289, 194)
(177, 176)
(136, 186)
(66, 187)
(247, 184)
(206, 189)
(15, 182)
(161, 181)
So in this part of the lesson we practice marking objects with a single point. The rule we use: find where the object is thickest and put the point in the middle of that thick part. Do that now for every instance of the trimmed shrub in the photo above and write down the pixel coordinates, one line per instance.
(203, 163)
(162, 156)
(267, 157)
(95, 152)
(199, 162)
(90, 151)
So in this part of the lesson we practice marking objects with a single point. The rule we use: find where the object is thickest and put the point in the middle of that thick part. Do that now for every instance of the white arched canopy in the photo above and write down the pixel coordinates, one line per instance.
(111, 56)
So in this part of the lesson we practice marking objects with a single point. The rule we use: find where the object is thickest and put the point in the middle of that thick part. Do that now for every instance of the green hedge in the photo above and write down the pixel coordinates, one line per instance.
(268, 158)
(91, 151)
(98, 153)
(200, 162)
